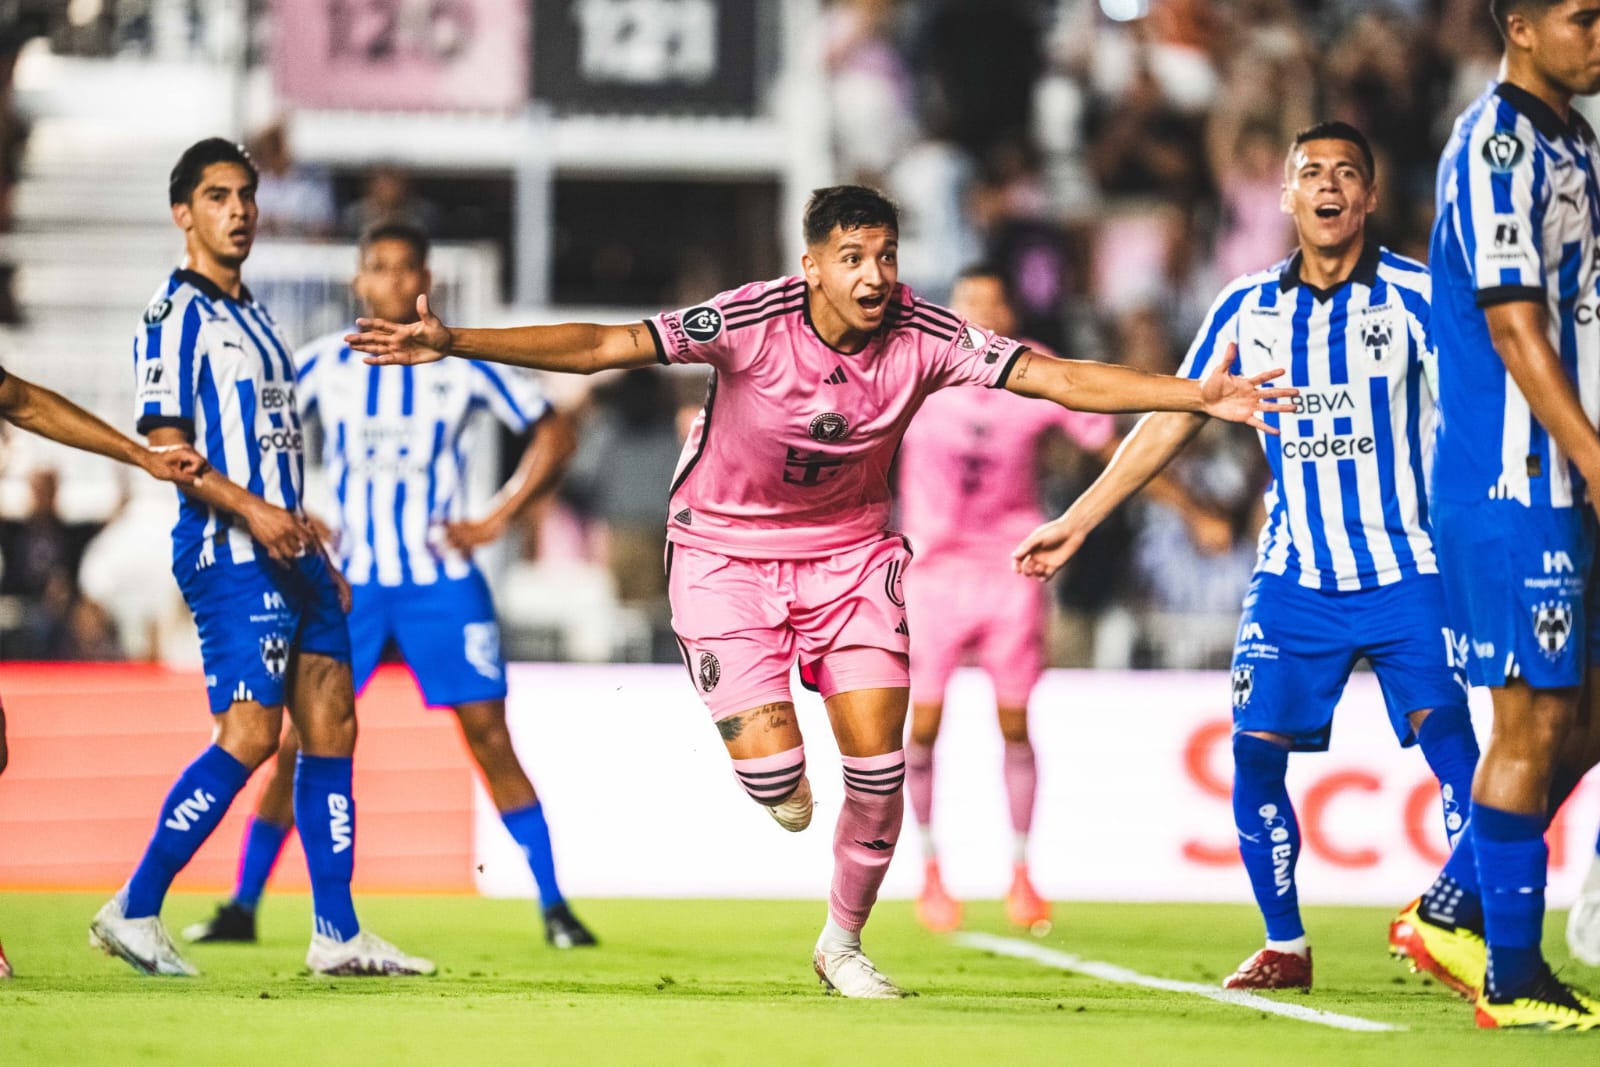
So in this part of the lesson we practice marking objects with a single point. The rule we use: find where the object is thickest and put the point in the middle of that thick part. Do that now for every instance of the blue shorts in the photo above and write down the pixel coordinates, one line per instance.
(1297, 646)
(1515, 582)
(254, 616)
(446, 633)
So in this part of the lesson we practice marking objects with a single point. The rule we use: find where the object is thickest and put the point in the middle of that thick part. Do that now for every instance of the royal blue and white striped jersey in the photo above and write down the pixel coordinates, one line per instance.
(1347, 507)
(216, 368)
(392, 450)
(1517, 213)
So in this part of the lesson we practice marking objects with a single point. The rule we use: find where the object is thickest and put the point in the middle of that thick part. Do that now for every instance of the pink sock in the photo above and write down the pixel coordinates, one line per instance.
(1022, 781)
(919, 781)
(865, 836)
(771, 780)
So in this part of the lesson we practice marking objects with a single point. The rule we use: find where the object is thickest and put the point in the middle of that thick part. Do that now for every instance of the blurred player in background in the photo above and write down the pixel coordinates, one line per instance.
(1346, 566)
(1514, 258)
(968, 492)
(779, 546)
(392, 450)
(51, 415)
(210, 368)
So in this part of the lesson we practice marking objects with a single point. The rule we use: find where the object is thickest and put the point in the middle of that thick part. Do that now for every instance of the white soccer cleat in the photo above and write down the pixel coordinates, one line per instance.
(1583, 928)
(849, 973)
(364, 955)
(794, 814)
(143, 943)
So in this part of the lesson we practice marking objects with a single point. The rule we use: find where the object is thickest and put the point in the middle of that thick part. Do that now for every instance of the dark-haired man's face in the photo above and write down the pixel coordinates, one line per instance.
(1328, 194)
(1563, 41)
(219, 218)
(391, 277)
(856, 271)
(982, 298)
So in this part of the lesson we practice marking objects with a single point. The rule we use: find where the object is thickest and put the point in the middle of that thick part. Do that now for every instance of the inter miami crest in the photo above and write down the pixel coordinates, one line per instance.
(1552, 625)
(710, 672)
(830, 426)
(1244, 683)
(1376, 337)
(275, 654)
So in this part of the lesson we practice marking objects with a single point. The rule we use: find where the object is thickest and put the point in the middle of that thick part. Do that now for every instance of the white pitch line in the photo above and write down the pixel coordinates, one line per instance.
(1110, 972)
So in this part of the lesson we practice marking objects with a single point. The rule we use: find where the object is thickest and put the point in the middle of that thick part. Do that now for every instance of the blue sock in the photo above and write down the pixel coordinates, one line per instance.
(532, 835)
(1512, 863)
(263, 841)
(325, 813)
(1451, 749)
(1269, 834)
(193, 808)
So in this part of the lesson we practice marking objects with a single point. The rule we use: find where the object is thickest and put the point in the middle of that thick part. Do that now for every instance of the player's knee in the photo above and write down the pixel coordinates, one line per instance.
(485, 731)
(1014, 725)
(328, 735)
(251, 742)
(770, 780)
(924, 730)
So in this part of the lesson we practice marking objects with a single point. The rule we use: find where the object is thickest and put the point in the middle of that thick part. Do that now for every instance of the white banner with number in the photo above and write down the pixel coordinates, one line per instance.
(1134, 776)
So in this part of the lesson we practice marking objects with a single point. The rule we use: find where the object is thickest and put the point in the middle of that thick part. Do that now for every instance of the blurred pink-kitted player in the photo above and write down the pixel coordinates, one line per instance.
(778, 542)
(968, 489)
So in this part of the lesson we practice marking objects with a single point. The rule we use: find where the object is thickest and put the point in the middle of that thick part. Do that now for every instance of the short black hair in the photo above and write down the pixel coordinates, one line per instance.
(848, 207)
(1500, 10)
(1334, 130)
(197, 157)
(986, 268)
(397, 230)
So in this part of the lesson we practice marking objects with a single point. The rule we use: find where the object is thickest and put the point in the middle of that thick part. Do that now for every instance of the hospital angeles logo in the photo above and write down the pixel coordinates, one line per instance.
(1552, 626)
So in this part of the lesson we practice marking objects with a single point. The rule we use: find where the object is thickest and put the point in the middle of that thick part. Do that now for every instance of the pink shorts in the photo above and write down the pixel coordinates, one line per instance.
(978, 607)
(742, 623)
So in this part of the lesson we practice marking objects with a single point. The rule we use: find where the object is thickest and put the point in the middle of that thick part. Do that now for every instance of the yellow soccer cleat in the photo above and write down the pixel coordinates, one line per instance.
(1455, 956)
(1550, 1005)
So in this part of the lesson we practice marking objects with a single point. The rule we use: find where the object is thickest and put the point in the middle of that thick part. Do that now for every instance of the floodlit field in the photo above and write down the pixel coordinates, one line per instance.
(728, 982)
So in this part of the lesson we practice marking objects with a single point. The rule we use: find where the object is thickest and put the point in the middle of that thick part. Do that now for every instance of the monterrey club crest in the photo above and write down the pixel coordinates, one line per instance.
(1502, 151)
(275, 654)
(1552, 625)
(710, 672)
(1244, 683)
(830, 426)
(1376, 337)
(702, 324)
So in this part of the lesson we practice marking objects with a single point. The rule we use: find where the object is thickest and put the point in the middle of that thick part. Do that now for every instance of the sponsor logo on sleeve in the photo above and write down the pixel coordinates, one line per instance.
(702, 324)
(1503, 151)
(157, 311)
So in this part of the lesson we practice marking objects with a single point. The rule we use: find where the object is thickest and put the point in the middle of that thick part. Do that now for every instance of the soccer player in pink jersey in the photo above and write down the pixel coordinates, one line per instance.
(968, 491)
(779, 545)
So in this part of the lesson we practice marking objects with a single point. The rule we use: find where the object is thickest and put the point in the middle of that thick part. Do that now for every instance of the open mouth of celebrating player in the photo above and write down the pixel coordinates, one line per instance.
(1329, 211)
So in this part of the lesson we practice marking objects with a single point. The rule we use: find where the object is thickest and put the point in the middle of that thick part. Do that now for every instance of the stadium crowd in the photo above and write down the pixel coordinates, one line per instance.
(1119, 160)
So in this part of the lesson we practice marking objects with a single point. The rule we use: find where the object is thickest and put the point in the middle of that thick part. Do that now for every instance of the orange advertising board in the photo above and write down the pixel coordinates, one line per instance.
(95, 747)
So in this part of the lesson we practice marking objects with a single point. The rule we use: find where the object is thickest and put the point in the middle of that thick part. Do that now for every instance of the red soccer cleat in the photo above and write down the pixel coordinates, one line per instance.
(1024, 906)
(1269, 969)
(936, 908)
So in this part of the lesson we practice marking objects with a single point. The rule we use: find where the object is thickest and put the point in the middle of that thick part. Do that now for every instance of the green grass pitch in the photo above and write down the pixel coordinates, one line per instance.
(728, 982)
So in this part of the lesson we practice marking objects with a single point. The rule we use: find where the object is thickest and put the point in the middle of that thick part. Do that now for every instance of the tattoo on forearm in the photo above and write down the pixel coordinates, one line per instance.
(633, 332)
(1022, 367)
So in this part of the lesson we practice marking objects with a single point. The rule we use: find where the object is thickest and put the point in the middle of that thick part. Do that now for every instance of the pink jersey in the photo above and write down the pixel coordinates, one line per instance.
(968, 474)
(790, 457)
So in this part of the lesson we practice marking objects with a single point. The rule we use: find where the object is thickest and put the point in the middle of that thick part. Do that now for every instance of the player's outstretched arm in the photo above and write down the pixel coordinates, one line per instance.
(544, 460)
(49, 414)
(1518, 330)
(283, 534)
(1086, 386)
(569, 348)
(1157, 438)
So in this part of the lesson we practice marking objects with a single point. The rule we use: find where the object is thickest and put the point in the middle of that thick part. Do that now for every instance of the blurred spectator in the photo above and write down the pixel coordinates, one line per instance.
(627, 453)
(387, 196)
(295, 200)
(869, 89)
(42, 547)
(976, 62)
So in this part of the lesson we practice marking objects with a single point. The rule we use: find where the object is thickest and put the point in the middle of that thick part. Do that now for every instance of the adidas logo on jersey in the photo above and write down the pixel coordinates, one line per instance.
(837, 377)
(903, 630)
